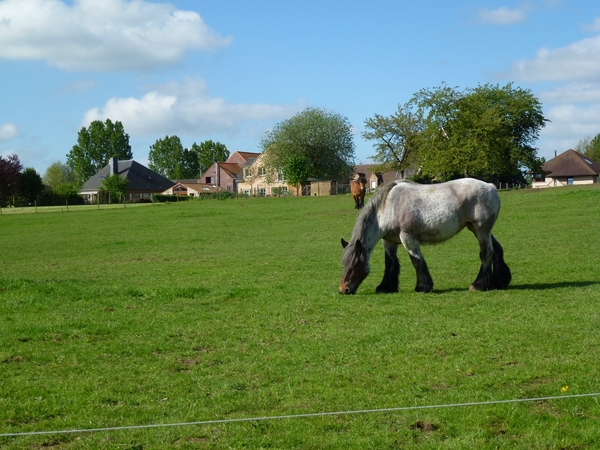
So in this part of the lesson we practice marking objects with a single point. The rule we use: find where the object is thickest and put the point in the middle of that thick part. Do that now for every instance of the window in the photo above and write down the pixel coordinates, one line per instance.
(248, 172)
(261, 172)
(262, 192)
(280, 177)
(210, 180)
(570, 181)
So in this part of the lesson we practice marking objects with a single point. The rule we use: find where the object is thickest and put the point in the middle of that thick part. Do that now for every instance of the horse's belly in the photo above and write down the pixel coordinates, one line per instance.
(431, 230)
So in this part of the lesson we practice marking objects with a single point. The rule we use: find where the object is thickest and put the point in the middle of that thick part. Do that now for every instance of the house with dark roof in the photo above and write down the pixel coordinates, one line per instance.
(143, 182)
(568, 168)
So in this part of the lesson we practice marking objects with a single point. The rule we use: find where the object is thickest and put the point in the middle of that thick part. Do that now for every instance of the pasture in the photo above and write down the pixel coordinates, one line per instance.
(217, 310)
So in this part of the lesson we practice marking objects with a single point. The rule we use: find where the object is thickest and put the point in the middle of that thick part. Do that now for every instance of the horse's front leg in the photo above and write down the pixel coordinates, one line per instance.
(413, 247)
(389, 284)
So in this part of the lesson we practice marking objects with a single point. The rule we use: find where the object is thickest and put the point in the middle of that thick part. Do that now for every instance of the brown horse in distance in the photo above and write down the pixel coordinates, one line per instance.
(358, 188)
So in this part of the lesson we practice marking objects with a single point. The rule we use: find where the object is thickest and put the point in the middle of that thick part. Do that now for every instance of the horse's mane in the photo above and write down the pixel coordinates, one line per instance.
(367, 219)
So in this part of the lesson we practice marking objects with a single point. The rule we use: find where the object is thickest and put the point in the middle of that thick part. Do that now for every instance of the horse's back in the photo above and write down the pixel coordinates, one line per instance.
(436, 212)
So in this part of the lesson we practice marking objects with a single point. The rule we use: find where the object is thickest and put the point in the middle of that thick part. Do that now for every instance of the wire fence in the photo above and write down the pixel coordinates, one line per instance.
(302, 416)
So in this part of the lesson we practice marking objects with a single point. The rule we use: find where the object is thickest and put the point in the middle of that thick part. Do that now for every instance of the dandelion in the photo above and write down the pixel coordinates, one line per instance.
(564, 389)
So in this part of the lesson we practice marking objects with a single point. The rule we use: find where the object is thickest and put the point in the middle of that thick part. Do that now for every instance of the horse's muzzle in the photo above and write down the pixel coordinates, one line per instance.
(346, 290)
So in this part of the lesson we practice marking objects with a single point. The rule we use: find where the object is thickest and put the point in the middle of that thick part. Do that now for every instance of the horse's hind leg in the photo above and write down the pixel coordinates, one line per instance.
(389, 284)
(484, 281)
(412, 246)
(501, 272)
(494, 273)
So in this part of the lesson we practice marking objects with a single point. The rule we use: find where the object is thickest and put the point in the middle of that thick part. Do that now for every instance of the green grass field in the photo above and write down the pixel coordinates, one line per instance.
(216, 310)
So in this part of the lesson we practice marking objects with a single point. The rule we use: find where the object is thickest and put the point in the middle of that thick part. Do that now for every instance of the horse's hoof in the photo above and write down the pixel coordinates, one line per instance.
(474, 289)
(424, 289)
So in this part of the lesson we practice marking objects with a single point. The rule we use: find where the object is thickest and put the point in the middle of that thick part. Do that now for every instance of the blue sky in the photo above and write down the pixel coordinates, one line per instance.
(229, 70)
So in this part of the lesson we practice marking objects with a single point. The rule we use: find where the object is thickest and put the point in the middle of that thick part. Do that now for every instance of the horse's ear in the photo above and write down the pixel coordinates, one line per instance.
(358, 246)
(344, 243)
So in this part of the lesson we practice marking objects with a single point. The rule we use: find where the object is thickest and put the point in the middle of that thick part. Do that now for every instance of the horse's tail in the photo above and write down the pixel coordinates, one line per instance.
(501, 275)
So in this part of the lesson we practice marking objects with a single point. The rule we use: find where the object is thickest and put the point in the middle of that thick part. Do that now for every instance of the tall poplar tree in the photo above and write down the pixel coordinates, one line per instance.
(95, 146)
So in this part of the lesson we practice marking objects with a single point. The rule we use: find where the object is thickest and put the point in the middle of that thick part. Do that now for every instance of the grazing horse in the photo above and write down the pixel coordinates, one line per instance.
(411, 214)
(358, 188)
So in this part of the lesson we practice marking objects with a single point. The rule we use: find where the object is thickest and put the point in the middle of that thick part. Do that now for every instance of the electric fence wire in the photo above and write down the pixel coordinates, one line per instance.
(301, 416)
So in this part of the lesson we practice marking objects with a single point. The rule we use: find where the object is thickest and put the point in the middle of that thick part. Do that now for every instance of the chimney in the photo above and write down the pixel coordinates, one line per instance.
(113, 166)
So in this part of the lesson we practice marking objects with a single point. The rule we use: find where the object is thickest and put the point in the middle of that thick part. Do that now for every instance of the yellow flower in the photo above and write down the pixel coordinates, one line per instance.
(564, 389)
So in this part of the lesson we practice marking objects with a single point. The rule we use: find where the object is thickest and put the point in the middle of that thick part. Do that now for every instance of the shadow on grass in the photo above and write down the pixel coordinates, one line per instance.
(558, 285)
(512, 287)
(523, 287)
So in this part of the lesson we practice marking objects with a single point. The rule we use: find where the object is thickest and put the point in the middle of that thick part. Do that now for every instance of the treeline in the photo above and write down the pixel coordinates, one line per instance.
(25, 187)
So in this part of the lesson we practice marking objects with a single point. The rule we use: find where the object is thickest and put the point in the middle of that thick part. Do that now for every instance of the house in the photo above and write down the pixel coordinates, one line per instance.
(191, 188)
(256, 181)
(226, 175)
(568, 168)
(143, 182)
(375, 178)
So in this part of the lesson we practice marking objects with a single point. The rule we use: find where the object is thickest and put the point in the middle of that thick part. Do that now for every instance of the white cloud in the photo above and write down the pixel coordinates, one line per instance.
(578, 92)
(503, 15)
(594, 27)
(569, 124)
(102, 35)
(8, 131)
(579, 61)
(186, 109)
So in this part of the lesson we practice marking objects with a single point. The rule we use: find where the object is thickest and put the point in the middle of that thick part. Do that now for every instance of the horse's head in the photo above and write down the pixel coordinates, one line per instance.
(362, 184)
(356, 266)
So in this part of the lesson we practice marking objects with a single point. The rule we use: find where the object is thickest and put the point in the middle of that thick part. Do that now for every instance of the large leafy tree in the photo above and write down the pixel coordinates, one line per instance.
(10, 178)
(95, 146)
(168, 158)
(210, 152)
(482, 132)
(322, 139)
(486, 131)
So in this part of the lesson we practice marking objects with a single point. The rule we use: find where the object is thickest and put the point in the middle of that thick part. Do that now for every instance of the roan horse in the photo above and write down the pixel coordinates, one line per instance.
(358, 188)
(411, 214)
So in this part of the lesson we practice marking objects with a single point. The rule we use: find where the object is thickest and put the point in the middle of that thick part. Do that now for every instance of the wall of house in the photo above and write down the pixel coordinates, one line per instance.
(563, 181)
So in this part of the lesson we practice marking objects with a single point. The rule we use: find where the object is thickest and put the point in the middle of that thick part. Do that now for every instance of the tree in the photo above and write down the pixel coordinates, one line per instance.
(168, 158)
(95, 146)
(397, 138)
(210, 152)
(115, 186)
(57, 174)
(487, 131)
(32, 186)
(322, 139)
(590, 147)
(10, 178)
